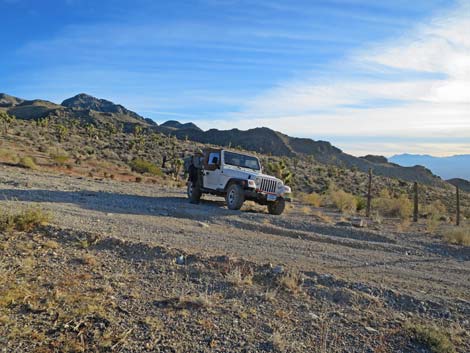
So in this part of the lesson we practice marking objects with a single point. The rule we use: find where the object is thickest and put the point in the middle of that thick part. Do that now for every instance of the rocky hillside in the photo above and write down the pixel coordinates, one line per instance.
(461, 183)
(82, 107)
(266, 141)
(103, 113)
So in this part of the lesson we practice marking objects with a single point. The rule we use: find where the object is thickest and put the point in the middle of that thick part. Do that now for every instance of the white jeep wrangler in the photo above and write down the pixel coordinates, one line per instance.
(235, 176)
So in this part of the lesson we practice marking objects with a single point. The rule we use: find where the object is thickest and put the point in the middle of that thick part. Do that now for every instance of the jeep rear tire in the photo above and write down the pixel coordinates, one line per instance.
(277, 207)
(235, 197)
(194, 193)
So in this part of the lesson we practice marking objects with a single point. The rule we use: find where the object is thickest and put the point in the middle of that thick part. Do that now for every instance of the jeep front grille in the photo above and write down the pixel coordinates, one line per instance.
(268, 185)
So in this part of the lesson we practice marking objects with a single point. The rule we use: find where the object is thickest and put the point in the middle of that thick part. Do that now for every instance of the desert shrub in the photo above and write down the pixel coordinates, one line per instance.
(466, 212)
(312, 199)
(434, 212)
(27, 162)
(24, 220)
(8, 155)
(460, 236)
(239, 276)
(435, 209)
(361, 203)
(436, 339)
(141, 166)
(291, 281)
(387, 206)
(342, 200)
(59, 158)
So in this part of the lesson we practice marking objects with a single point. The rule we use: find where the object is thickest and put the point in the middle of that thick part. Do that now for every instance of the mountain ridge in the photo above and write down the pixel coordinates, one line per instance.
(449, 167)
(263, 140)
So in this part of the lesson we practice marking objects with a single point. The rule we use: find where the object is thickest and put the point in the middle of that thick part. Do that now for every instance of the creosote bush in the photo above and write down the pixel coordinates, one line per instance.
(142, 166)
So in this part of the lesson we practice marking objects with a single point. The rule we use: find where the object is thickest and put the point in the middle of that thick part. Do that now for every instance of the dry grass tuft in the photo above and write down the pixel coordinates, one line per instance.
(312, 199)
(460, 236)
(270, 295)
(387, 206)
(238, 277)
(322, 217)
(291, 281)
(201, 300)
(342, 200)
(278, 342)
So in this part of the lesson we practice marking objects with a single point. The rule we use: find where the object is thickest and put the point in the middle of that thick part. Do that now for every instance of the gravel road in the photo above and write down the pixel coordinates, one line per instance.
(418, 266)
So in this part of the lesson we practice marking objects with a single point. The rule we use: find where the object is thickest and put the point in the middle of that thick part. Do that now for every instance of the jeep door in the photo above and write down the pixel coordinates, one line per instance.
(212, 172)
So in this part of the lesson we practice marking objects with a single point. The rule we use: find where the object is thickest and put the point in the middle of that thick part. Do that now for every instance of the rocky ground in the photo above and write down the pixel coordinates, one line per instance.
(134, 267)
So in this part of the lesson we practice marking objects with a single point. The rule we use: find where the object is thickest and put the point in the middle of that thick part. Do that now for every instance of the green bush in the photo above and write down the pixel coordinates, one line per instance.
(141, 166)
(59, 159)
(23, 220)
(437, 340)
(361, 203)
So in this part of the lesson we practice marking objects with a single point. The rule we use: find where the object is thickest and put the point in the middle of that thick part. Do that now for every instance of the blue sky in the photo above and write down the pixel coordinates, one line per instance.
(373, 77)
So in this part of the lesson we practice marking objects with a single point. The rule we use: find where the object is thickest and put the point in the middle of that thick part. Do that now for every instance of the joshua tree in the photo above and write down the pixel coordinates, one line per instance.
(6, 121)
(280, 170)
(62, 131)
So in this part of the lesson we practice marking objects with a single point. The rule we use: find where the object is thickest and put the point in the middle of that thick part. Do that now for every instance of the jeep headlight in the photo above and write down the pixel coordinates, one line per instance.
(258, 181)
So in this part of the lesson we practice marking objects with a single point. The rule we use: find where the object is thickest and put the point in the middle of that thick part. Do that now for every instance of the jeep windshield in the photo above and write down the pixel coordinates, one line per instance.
(240, 160)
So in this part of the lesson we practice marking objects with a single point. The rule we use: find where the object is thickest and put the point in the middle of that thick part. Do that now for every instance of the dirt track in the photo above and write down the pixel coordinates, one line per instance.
(433, 275)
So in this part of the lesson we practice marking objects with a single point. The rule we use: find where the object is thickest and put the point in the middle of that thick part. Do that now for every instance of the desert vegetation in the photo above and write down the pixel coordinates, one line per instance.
(57, 295)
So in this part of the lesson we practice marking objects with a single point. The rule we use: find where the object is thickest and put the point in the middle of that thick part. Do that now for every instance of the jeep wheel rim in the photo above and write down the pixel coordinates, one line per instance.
(231, 197)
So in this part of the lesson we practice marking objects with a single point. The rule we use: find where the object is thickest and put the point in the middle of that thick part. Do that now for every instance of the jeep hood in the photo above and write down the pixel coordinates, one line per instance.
(244, 173)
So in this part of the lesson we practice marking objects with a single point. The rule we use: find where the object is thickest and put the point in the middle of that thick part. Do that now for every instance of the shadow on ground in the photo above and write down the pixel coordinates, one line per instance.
(106, 202)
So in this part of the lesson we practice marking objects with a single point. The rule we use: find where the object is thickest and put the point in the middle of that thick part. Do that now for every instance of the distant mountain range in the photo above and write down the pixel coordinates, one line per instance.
(101, 113)
(446, 167)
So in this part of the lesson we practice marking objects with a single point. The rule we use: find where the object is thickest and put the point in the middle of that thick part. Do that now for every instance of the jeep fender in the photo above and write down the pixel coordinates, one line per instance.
(241, 182)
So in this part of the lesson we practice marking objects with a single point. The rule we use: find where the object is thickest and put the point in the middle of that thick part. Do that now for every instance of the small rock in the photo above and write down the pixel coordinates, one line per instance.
(180, 260)
(370, 329)
(314, 316)
(358, 222)
(203, 225)
(278, 269)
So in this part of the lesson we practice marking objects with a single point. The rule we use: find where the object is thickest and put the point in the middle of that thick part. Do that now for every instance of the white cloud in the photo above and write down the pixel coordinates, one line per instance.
(422, 90)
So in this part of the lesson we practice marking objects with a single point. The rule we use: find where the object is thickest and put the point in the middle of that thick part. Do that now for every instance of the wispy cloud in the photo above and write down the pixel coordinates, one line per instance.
(415, 86)
(304, 68)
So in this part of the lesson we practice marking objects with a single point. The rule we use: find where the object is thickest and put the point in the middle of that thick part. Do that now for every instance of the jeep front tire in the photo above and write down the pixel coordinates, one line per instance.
(235, 197)
(277, 207)
(194, 192)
